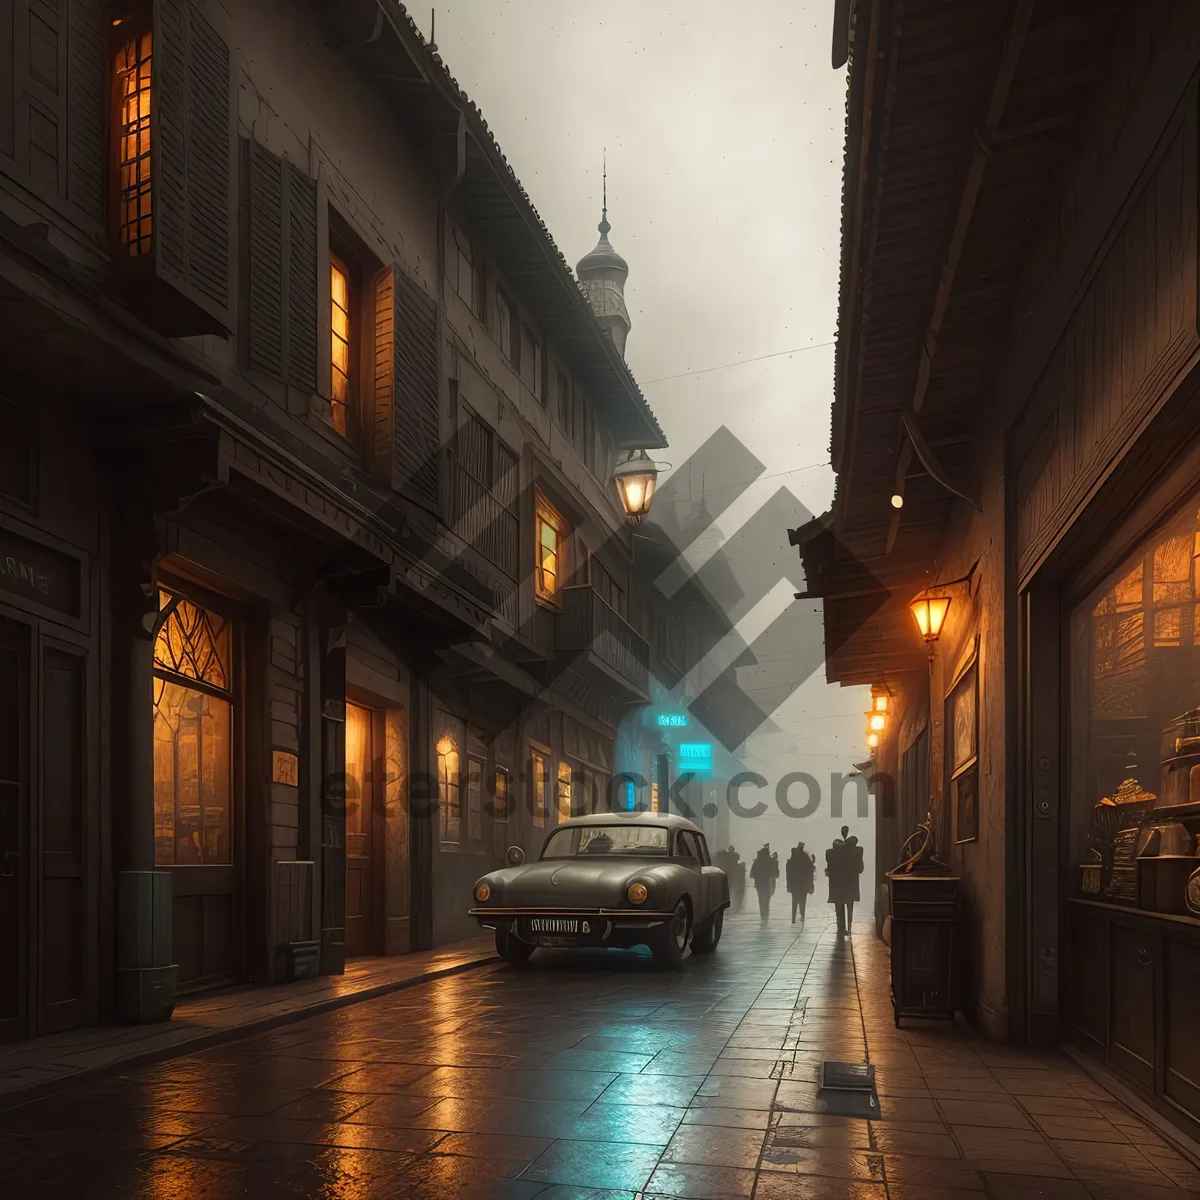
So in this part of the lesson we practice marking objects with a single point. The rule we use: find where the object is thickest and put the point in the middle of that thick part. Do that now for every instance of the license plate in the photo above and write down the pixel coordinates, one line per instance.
(558, 925)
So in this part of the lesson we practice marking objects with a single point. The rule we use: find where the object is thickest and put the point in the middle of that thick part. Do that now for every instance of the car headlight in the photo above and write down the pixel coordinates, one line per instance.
(482, 892)
(637, 893)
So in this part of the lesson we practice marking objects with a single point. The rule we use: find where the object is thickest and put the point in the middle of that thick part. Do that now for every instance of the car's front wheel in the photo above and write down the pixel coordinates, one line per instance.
(705, 939)
(672, 941)
(514, 951)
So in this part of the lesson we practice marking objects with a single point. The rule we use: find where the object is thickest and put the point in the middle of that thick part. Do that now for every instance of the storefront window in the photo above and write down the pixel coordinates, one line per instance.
(193, 731)
(962, 754)
(448, 787)
(1135, 729)
(564, 791)
(540, 771)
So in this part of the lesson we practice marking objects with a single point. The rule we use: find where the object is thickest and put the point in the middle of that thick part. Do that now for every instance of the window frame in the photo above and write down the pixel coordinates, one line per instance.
(138, 18)
(234, 694)
(548, 516)
(449, 790)
(564, 773)
(539, 783)
(508, 328)
(962, 776)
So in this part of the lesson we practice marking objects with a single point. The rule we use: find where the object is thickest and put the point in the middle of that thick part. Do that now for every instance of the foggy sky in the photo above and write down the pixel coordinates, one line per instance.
(723, 125)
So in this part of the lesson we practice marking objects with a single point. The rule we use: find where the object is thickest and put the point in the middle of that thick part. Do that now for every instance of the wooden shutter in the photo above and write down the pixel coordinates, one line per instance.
(279, 325)
(52, 97)
(192, 168)
(407, 387)
(87, 103)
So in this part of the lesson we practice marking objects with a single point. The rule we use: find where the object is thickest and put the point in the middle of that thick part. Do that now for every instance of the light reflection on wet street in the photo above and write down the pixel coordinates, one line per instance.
(584, 1071)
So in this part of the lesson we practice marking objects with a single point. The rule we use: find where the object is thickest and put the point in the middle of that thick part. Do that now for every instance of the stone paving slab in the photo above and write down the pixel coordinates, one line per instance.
(598, 1076)
(208, 1019)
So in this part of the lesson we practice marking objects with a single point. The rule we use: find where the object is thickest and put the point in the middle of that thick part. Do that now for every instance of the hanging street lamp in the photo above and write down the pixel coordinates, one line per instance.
(635, 477)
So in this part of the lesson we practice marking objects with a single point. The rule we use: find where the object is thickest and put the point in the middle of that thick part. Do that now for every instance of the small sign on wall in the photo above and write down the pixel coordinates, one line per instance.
(285, 768)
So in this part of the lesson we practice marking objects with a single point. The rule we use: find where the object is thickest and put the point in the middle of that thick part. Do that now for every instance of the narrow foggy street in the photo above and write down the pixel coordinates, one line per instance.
(578, 1074)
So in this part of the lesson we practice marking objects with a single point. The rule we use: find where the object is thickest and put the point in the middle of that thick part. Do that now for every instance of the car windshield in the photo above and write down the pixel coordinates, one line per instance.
(594, 841)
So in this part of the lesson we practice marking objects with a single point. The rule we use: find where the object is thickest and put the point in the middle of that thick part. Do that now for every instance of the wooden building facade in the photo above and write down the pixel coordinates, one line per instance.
(315, 591)
(1017, 428)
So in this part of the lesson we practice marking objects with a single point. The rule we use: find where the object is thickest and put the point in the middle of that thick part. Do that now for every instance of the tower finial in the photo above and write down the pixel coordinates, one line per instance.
(604, 226)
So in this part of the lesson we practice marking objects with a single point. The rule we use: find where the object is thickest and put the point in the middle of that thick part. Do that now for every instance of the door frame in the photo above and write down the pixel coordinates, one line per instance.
(209, 880)
(44, 633)
(377, 706)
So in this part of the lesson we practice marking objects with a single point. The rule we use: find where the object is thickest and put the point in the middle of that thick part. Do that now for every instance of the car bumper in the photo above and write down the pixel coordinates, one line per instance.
(593, 926)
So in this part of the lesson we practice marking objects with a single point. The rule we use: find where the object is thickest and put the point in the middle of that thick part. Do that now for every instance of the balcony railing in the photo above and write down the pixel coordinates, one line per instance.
(588, 625)
(481, 520)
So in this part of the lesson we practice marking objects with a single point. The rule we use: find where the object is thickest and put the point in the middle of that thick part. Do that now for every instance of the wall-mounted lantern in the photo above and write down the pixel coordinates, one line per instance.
(635, 477)
(929, 612)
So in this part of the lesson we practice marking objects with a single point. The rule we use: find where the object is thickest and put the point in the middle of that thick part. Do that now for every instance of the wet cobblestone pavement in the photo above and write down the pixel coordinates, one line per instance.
(602, 1077)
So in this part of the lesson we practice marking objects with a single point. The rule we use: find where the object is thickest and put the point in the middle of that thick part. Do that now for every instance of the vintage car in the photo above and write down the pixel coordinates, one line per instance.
(623, 880)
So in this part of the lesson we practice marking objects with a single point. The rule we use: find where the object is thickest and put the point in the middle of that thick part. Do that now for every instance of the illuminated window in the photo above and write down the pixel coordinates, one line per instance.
(654, 796)
(540, 771)
(448, 787)
(359, 774)
(500, 801)
(193, 732)
(133, 214)
(341, 334)
(551, 548)
(564, 781)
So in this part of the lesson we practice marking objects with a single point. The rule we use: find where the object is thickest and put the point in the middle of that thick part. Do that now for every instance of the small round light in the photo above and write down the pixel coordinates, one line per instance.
(897, 500)
(877, 721)
(637, 893)
(872, 740)
(482, 892)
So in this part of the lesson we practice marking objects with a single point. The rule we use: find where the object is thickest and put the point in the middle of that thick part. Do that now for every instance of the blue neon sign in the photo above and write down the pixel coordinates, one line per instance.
(672, 720)
(696, 758)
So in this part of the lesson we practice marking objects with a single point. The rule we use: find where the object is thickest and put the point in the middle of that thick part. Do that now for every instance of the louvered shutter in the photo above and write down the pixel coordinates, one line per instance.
(384, 407)
(416, 434)
(87, 143)
(280, 321)
(301, 194)
(263, 329)
(192, 167)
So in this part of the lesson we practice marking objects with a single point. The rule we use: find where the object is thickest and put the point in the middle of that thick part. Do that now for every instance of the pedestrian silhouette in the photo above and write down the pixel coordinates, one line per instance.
(801, 869)
(764, 872)
(843, 865)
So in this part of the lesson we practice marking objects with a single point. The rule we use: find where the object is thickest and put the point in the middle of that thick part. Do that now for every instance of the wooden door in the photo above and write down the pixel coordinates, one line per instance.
(62, 907)
(361, 744)
(14, 829)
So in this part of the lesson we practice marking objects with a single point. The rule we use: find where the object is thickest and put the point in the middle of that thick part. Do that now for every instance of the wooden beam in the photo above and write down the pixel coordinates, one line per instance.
(982, 149)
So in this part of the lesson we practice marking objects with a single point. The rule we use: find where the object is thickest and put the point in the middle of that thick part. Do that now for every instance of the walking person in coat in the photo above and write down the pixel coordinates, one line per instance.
(801, 868)
(764, 872)
(843, 865)
(736, 870)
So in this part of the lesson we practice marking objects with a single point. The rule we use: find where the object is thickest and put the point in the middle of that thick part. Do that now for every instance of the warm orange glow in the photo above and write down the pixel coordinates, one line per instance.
(565, 776)
(872, 740)
(449, 789)
(551, 539)
(540, 771)
(134, 220)
(339, 347)
(930, 615)
(876, 721)
(635, 479)
(879, 702)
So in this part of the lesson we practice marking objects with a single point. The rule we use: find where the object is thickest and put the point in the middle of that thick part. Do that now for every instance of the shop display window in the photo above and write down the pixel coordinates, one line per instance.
(1135, 726)
(193, 736)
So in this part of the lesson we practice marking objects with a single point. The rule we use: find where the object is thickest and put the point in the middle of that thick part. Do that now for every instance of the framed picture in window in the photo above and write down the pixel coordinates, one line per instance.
(962, 753)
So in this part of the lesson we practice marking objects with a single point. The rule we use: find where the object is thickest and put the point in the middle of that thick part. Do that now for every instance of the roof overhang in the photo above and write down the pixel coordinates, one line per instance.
(386, 48)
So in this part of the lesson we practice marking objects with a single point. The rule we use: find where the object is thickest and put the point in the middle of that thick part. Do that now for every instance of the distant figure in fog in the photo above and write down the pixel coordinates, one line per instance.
(801, 871)
(843, 865)
(737, 882)
(764, 872)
